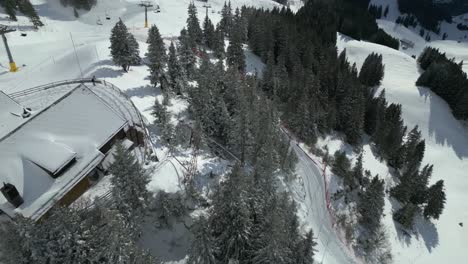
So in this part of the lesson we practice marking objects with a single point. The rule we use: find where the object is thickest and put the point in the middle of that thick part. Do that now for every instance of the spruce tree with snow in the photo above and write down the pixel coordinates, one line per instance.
(274, 240)
(124, 47)
(195, 33)
(358, 171)
(129, 190)
(163, 119)
(27, 8)
(389, 136)
(371, 206)
(306, 249)
(156, 55)
(209, 36)
(405, 215)
(218, 43)
(203, 248)
(436, 200)
(176, 73)
(342, 167)
(226, 22)
(413, 151)
(235, 54)
(187, 57)
(70, 235)
(230, 219)
(372, 70)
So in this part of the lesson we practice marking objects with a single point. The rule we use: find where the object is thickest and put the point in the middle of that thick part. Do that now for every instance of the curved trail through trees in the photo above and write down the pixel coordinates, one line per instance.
(331, 248)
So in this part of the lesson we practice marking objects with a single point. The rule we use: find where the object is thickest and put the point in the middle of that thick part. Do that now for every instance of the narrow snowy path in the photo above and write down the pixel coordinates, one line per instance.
(330, 248)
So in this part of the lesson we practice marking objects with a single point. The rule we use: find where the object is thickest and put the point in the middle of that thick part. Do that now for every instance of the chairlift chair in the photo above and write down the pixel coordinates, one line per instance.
(99, 22)
(107, 16)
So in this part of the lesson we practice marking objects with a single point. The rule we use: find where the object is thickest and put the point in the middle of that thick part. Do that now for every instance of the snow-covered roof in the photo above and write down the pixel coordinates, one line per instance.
(11, 114)
(61, 140)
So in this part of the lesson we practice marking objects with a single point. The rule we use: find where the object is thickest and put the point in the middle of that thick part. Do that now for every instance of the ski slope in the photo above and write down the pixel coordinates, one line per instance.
(68, 48)
(446, 148)
(314, 211)
(456, 44)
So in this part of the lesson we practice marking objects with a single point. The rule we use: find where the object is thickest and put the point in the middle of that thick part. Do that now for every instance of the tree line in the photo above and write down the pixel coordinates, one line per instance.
(318, 91)
(446, 78)
(250, 220)
(428, 13)
(356, 18)
(24, 6)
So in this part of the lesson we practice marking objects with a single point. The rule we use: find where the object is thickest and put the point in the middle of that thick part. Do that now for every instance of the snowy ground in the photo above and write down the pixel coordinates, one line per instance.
(456, 44)
(446, 148)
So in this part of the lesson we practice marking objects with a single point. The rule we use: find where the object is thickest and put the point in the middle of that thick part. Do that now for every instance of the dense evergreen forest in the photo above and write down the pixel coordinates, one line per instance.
(429, 13)
(318, 91)
(24, 6)
(446, 78)
(356, 20)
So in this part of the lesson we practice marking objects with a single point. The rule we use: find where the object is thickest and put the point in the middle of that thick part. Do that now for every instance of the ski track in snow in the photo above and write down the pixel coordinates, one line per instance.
(446, 148)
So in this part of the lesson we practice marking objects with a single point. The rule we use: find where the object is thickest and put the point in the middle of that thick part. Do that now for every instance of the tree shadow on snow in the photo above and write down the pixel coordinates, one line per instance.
(442, 123)
(143, 91)
(427, 231)
(422, 228)
(168, 244)
(106, 72)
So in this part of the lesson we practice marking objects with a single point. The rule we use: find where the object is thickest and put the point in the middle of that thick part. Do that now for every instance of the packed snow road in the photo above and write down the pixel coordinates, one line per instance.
(331, 249)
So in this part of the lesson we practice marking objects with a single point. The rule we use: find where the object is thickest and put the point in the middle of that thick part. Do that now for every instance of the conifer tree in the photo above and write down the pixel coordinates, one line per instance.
(231, 219)
(129, 191)
(405, 215)
(203, 248)
(10, 8)
(235, 53)
(436, 200)
(176, 73)
(372, 71)
(195, 33)
(156, 55)
(124, 47)
(371, 206)
(27, 8)
(226, 19)
(71, 235)
(163, 119)
(342, 168)
(209, 37)
(218, 43)
(306, 249)
(358, 171)
(413, 151)
(187, 57)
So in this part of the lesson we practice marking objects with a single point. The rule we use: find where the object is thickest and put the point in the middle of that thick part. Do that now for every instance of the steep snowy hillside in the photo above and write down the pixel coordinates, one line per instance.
(446, 148)
(48, 54)
(456, 44)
